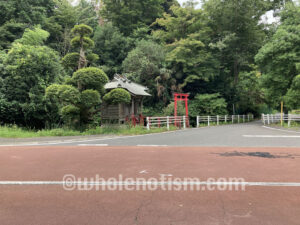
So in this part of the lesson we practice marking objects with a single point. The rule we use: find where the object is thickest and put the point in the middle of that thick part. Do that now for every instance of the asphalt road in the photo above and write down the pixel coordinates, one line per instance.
(238, 135)
(51, 204)
(265, 161)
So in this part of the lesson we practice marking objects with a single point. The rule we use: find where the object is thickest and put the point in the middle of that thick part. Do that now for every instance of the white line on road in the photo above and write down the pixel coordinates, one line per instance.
(59, 183)
(272, 128)
(90, 140)
(271, 136)
(152, 145)
(93, 145)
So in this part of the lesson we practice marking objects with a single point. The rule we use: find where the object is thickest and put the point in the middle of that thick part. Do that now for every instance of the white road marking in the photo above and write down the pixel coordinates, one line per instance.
(60, 183)
(152, 145)
(93, 145)
(89, 140)
(289, 131)
(143, 171)
(271, 136)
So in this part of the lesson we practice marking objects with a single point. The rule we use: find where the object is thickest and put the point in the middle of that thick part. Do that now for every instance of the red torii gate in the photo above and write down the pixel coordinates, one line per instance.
(181, 97)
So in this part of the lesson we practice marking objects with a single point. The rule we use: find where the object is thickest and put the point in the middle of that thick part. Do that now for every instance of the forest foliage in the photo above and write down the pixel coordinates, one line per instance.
(56, 56)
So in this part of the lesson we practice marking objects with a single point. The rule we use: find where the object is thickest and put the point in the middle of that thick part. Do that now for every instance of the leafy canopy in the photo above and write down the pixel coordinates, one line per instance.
(112, 47)
(36, 36)
(27, 71)
(128, 15)
(279, 58)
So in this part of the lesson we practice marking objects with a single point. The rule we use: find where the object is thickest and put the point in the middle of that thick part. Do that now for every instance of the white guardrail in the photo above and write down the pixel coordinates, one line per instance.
(183, 121)
(226, 119)
(276, 118)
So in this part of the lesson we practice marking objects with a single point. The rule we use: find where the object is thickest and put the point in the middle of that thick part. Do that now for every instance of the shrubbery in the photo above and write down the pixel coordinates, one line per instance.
(118, 95)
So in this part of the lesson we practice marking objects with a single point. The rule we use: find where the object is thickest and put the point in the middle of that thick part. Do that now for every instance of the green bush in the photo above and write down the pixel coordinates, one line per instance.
(208, 104)
(169, 110)
(90, 98)
(118, 95)
(65, 94)
(71, 60)
(70, 115)
(82, 30)
(90, 78)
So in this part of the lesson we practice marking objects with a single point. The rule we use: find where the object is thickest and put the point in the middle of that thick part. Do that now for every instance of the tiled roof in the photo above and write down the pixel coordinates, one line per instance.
(122, 82)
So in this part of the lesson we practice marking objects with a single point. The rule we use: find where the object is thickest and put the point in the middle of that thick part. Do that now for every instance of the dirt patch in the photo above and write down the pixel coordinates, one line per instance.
(258, 154)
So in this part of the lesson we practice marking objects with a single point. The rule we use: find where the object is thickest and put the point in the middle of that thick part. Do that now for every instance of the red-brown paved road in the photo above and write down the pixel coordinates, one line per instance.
(51, 204)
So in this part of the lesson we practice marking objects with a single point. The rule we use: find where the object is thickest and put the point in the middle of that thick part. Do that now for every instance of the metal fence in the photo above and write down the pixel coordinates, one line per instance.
(183, 121)
(276, 118)
(209, 120)
(178, 121)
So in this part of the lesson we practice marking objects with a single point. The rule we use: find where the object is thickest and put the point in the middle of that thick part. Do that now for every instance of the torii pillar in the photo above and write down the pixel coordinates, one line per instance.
(181, 97)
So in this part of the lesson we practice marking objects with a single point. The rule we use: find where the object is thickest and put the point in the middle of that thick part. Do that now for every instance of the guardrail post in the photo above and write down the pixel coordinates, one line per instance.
(272, 116)
(208, 120)
(289, 120)
(232, 119)
(218, 120)
(238, 118)
(268, 118)
(198, 121)
(243, 118)
(148, 123)
(248, 118)
(168, 122)
(184, 122)
(263, 118)
(225, 118)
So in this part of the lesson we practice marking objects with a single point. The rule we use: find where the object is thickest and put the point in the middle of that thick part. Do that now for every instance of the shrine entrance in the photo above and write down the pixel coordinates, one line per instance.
(178, 98)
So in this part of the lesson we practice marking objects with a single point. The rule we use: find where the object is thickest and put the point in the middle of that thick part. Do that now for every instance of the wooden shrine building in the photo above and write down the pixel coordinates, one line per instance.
(124, 112)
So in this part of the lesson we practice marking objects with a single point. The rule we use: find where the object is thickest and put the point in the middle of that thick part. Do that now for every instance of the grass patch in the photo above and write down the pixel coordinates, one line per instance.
(17, 132)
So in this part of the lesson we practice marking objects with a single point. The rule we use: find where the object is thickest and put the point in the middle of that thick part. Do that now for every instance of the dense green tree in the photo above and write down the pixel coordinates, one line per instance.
(167, 5)
(80, 102)
(186, 35)
(28, 70)
(292, 97)
(34, 37)
(250, 93)
(279, 58)
(86, 12)
(9, 32)
(146, 65)
(128, 15)
(236, 32)
(26, 11)
(84, 44)
(17, 15)
(112, 47)
(65, 17)
(208, 104)
(59, 26)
